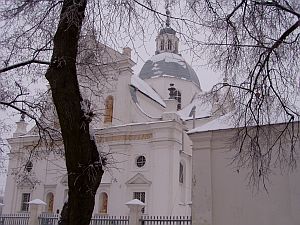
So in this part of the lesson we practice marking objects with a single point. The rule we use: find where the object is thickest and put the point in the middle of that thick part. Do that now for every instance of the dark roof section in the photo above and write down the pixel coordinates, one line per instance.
(169, 64)
(167, 30)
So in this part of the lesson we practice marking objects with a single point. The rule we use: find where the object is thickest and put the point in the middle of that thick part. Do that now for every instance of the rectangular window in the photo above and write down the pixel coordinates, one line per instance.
(24, 202)
(140, 196)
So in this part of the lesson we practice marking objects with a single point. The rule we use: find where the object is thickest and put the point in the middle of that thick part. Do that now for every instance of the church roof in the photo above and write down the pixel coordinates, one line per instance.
(171, 65)
(202, 110)
(167, 30)
(143, 87)
(223, 122)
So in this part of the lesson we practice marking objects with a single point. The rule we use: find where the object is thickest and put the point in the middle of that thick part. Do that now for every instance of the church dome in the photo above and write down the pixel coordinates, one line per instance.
(167, 64)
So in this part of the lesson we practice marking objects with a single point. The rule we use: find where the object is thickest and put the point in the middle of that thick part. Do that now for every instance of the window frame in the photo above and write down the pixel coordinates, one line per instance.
(50, 202)
(178, 98)
(140, 198)
(181, 173)
(24, 207)
(109, 109)
(103, 203)
(169, 44)
(143, 162)
(162, 45)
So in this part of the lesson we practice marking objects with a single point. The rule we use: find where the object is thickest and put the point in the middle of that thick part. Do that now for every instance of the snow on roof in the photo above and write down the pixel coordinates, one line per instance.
(221, 123)
(168, 57)
(135, 202)
(201, 110)
(137, 124)
(227, 121)
(37, 202)
(143, 87)
(168, 64)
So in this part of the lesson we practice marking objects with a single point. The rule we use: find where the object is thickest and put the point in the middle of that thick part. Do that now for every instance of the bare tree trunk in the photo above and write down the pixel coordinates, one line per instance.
(82, 158)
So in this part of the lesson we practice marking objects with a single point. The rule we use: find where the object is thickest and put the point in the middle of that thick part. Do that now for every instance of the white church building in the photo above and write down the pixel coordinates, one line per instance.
(152, 124)
(143, 128)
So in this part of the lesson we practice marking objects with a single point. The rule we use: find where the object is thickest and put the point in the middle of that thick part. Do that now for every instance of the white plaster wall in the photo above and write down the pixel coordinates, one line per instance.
(221, 196)
(9, 199)
(152, 109)
(122, 99)
(163, 154)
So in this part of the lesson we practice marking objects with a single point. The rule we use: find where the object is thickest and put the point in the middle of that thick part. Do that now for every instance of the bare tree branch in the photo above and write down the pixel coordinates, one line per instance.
(23, 64)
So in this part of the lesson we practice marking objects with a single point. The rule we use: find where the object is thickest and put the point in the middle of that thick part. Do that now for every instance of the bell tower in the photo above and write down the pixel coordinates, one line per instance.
(166, 40)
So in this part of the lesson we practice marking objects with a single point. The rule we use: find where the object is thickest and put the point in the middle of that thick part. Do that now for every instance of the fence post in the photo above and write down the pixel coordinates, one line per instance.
(35, 211)
(135, 213)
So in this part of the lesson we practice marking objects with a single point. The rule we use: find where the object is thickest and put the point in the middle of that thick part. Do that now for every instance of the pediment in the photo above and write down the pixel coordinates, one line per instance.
(27, 181)
(138, 179)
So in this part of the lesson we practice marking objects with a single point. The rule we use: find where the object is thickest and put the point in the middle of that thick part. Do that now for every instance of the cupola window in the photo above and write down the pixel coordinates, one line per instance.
(162, 45)
(169, 45)
(178, 98)
(175, 94)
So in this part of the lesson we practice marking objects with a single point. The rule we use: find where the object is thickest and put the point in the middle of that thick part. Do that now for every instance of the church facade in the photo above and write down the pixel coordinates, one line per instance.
(142, 131)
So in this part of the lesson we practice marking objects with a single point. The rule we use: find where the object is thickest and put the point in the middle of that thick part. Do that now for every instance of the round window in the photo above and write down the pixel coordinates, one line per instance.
(28, 166)
(140, 161)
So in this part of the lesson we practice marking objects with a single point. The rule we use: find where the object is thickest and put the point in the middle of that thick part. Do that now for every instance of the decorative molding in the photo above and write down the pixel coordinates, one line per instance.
(138, 179)
(130, 137)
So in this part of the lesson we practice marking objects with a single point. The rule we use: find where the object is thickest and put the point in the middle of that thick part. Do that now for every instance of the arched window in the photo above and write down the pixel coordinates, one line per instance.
(109, 104)
(182, 180)
(50, 201)
(176, 46)
(181, 173)
(103, 199)
(178, 98)
(169, 44)
(162, 45)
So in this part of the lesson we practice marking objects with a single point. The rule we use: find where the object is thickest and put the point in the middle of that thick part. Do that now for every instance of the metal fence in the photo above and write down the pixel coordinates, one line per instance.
(48, 219)
(109, 220)
(166, 220)
(14, 219)
(52, 219)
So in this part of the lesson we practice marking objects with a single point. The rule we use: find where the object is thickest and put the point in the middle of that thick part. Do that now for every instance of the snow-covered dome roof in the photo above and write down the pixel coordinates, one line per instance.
(171, 65)
(167, 30)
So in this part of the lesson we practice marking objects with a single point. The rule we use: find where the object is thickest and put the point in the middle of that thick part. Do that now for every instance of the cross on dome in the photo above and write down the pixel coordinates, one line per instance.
(168, 13)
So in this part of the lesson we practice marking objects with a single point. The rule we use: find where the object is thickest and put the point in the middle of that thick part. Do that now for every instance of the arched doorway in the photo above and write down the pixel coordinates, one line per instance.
(103, 200)
(50, 201)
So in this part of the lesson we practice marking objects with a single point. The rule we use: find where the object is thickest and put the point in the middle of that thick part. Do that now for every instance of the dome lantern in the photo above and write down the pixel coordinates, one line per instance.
(166, 40)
